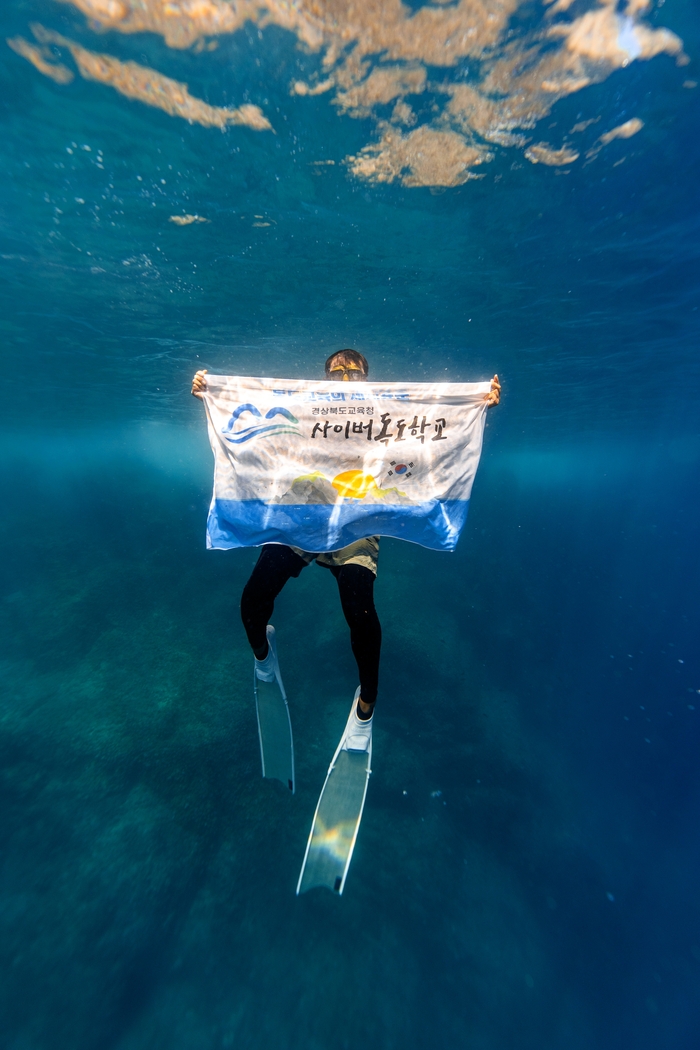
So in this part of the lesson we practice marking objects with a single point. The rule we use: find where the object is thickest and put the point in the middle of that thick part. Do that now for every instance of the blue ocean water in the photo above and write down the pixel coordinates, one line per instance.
(525, 874)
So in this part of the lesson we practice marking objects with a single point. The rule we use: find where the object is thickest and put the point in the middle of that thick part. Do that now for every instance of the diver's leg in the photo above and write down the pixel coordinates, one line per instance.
(274, 567)
(356, 588)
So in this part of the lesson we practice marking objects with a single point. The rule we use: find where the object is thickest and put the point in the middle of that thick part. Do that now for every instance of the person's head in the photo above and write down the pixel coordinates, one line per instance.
(348, 366)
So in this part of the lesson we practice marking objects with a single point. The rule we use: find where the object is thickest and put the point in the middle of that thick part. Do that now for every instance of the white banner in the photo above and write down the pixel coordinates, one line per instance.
(319, 464)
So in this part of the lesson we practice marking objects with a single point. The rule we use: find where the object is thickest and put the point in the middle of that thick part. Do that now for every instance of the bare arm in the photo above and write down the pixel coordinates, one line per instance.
(199, 383)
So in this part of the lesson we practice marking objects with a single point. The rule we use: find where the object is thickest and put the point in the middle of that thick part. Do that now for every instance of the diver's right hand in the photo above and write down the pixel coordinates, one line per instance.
(199, 383)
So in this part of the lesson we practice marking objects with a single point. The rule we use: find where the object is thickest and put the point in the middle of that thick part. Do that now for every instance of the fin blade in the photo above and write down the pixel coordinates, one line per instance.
(336, 822)
(274, 732)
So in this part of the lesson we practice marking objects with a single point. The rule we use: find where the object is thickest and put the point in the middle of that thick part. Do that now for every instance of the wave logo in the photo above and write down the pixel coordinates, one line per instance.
(239, 432)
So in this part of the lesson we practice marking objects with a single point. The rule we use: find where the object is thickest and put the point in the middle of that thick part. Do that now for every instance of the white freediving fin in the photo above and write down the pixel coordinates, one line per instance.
(274, 723)
(339, 810)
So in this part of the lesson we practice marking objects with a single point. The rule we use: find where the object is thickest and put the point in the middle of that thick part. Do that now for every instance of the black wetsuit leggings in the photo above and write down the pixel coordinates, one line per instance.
(275, 566)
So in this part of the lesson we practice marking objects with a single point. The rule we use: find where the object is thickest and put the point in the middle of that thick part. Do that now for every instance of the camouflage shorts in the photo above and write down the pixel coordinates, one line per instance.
(362, 552)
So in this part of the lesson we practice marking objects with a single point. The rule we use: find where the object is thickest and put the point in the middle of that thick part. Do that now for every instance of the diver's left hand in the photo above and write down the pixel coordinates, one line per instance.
(494, 396)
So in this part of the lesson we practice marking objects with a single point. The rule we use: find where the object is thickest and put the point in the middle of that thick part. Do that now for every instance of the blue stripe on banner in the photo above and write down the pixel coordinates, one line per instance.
(322, 527)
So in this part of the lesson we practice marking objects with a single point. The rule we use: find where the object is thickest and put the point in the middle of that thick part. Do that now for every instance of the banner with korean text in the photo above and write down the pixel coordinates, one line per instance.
(320, 464)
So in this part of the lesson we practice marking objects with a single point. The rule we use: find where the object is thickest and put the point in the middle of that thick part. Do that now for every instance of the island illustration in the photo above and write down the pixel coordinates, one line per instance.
(349, 485)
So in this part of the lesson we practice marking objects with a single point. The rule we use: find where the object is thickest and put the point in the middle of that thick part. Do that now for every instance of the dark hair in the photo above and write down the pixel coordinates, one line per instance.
(348, 357)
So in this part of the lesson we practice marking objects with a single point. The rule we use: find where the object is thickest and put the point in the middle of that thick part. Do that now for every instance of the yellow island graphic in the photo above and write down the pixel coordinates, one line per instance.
(348, 485)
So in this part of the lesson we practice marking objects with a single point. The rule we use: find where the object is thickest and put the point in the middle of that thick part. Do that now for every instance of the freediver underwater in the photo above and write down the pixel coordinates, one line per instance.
(340, 806)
